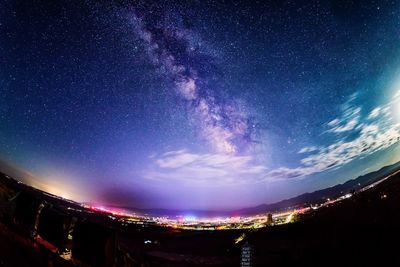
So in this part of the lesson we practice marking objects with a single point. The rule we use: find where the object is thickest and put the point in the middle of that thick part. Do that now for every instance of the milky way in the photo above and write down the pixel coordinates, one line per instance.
(224, 125)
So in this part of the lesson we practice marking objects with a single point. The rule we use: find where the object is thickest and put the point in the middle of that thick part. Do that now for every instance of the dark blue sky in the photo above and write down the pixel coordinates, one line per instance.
(197, 104)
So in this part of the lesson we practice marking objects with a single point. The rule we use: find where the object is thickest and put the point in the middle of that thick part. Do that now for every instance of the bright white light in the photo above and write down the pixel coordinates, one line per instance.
(189, 218)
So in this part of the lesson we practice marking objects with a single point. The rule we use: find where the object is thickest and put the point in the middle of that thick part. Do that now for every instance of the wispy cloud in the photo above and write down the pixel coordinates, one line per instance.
(350, 125)
(308, 149)
(379, 131)
(206, 169)
(374, 113)
(349, 118)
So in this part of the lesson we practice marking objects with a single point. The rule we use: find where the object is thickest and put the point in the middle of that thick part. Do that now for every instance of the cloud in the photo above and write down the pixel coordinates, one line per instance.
(350, 125)
(372, 139)
(374, 113)
(334, 122)
(348, 121)
(308, 149)
(380, 132)
(205, 169)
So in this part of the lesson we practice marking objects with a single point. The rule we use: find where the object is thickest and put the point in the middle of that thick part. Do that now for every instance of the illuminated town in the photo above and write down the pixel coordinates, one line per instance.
(191, 222)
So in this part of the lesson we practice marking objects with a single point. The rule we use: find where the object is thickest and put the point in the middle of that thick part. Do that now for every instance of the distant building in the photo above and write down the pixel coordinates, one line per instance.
(246, 255)
(270, 221)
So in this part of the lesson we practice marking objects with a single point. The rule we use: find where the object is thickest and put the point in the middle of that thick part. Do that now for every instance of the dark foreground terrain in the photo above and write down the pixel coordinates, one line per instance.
(363, 230)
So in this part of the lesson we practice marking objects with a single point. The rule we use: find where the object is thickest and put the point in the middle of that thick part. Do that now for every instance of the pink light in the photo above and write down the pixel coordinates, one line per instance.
(108, 210)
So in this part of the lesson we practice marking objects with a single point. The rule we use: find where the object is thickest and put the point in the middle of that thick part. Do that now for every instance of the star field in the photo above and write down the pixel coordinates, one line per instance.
(197, 104)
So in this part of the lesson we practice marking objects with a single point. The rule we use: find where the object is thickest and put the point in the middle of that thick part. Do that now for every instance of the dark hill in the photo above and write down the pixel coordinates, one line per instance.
(321, 195)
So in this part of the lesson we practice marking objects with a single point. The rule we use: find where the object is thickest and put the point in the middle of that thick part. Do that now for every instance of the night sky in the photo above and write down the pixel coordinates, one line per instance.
(197, 104)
